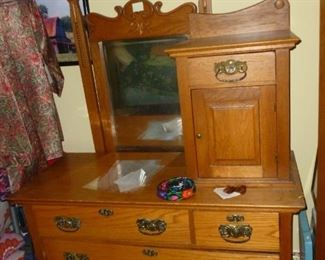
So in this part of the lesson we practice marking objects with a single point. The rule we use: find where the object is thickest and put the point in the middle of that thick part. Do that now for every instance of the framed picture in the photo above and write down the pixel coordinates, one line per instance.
(56, 16)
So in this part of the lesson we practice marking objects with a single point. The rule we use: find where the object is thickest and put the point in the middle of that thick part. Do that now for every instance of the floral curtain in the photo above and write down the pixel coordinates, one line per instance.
(30, 131)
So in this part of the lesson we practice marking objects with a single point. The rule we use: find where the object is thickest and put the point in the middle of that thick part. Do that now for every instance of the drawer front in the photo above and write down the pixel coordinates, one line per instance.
(87, 251)
(237, 230)
(232, 70)
(133, 224)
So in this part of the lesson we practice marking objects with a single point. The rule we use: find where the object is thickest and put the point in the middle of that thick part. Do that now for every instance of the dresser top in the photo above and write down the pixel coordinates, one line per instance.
(67, 180)
(235, 43)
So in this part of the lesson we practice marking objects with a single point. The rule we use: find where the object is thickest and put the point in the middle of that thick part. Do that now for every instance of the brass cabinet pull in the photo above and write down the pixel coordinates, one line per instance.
(67, 224)
(231, 67)
(105, 212)
(198, 136)
(151, 227)
(149, 252)
(75, 256)
(237, 232)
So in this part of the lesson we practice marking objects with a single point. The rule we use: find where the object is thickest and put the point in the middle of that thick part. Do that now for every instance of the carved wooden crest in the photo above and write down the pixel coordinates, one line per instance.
(138, 13)
(140, 19)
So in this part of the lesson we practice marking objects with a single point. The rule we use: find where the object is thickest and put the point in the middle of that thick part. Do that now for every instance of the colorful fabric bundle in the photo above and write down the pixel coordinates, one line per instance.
(176, 188)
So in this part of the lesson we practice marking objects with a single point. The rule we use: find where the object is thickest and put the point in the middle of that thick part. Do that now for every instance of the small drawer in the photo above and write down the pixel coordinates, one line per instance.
(237, 230)
(72, 249)
(141, 225)
(232, 70)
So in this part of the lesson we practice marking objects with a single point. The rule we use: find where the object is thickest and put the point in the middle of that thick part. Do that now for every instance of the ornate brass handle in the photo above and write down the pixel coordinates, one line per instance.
(231, 67)
(67, 224)
(75, 256)
(150, 252)
(151, 227)
(236, 233)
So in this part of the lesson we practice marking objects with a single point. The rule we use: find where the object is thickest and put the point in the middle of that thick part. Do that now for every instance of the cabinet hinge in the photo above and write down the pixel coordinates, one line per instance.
(274, 107)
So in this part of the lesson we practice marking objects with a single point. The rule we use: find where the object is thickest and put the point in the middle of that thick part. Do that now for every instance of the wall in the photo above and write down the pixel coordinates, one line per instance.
(304, 87)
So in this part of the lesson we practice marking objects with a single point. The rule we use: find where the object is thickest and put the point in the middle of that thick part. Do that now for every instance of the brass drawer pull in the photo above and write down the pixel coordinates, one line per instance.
(75, 256)
(151, 227)
(149, 252)
(229, 68)
(67, 224)
(236, 233)
(105, 212)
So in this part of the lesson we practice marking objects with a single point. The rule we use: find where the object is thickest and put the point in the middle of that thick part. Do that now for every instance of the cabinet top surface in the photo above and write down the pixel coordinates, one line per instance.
(65, 181)
(246, 42)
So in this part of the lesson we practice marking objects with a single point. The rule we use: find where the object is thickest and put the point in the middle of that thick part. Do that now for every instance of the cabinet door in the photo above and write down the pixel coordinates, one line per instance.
(235, 131)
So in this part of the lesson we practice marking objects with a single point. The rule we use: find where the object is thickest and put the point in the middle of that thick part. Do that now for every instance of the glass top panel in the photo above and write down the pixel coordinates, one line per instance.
(126, 176)
(143, 87)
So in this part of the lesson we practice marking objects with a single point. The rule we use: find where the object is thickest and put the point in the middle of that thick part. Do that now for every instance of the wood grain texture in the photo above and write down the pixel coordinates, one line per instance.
(285, 236)
(267, 57)
(186, 114)
(120, 226)
(320, 201)
(283, 111)
(35, 236)
(63, 184)
(265, 230)
(228, 121)
(260, 70)
(150, 22)
(61, 191)
(237, 128)
(265, 16)
(56, 248)
(231, 44)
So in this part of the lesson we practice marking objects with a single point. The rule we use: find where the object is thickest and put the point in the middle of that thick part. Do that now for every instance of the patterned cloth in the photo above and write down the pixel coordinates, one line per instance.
(30, 131)
(10, 243)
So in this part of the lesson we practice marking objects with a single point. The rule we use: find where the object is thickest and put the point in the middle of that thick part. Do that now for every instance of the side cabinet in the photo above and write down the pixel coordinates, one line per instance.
(235, 109)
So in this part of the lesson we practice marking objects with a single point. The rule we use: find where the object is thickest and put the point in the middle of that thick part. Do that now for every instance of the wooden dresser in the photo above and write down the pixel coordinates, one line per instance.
(68, 221)
(233, 80)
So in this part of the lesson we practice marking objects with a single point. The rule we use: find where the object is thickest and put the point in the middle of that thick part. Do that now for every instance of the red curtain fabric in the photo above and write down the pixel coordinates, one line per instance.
(30, 131)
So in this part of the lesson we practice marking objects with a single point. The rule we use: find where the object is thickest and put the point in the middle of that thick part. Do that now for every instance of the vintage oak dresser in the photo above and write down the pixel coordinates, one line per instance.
(233, 81)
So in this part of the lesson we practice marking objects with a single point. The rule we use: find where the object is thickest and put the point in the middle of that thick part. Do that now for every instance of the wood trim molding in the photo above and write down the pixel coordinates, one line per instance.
(320, 201)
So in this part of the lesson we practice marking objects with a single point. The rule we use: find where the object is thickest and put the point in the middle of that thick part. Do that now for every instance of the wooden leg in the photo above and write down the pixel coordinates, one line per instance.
(286, 236)
(34, 233)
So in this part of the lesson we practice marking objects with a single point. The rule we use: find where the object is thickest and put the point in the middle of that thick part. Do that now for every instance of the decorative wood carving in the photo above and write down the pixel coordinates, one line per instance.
(150, 21)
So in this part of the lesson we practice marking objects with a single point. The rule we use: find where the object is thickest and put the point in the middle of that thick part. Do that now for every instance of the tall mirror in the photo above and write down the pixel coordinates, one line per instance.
(130, 83)
(143, 88)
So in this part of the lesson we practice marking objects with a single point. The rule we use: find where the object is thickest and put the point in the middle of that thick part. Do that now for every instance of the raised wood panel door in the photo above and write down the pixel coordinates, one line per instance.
(235, 131)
